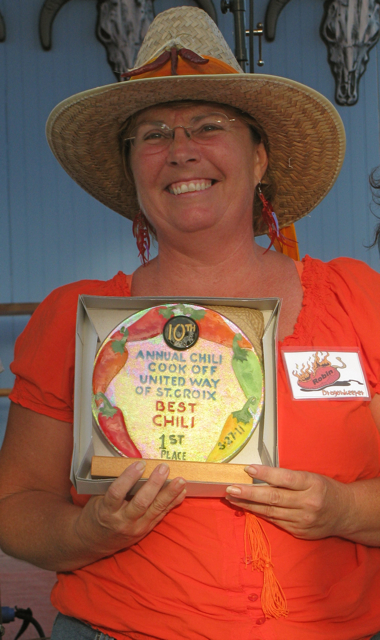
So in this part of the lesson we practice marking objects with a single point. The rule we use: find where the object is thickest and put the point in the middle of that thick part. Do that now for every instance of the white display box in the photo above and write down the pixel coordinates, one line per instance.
(96, 318)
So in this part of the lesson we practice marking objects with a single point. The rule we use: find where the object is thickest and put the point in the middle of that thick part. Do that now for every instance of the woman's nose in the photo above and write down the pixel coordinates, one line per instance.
(182, 148)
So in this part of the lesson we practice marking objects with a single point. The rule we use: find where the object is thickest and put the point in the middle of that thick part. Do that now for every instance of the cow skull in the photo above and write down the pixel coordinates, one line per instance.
(350, 29)
(121, 27)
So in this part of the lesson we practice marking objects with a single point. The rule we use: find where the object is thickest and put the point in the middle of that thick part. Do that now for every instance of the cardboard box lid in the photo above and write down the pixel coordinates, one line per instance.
(97, 316)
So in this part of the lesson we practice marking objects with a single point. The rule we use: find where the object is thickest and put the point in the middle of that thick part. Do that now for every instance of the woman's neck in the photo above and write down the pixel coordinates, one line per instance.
(242, 270)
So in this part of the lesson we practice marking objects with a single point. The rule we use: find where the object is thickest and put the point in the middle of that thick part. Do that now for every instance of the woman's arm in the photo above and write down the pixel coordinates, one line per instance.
(40, 524)
(311, 506)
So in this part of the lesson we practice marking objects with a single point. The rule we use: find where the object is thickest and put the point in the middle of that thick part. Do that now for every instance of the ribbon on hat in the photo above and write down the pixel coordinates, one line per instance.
(171, 55)
(288, 250)
(179, 62)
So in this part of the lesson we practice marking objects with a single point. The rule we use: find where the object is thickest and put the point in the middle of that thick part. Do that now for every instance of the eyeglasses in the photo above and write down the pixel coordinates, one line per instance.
(153, 137)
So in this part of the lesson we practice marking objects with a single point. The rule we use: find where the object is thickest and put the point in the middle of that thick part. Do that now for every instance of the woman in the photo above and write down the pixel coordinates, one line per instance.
(160, 566)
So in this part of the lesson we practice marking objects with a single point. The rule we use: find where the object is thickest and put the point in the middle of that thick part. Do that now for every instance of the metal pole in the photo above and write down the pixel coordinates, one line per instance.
(237, 7)
(251, 34)
(239, 23)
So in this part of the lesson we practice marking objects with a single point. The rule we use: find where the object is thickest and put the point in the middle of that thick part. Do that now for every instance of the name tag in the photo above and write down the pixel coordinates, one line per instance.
(325, 375)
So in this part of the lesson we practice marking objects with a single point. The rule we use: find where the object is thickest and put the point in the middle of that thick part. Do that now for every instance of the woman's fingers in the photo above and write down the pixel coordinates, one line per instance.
(150, 503)
(175, 495)
(269, 512)
(285, 488)
(153, 500)
(294, 480)
(109, 523)
(306, 504)
(264, 496)
(114, 498)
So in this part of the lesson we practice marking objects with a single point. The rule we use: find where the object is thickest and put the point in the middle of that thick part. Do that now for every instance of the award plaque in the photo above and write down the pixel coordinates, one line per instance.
(178, 382)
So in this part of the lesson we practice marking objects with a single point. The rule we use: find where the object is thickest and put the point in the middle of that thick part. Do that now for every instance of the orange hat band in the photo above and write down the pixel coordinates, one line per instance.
(181, 62)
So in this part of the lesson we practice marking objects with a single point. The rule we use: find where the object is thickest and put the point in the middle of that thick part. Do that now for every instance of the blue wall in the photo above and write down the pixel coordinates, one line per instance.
(52, 232)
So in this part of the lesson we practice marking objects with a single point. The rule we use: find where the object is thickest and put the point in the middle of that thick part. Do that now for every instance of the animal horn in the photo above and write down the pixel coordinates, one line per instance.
(2, 29)
(274, 9)
(48, 12)
(208, 6)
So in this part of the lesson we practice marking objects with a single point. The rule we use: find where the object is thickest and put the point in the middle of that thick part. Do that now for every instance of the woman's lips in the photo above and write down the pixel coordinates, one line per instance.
(184, 186)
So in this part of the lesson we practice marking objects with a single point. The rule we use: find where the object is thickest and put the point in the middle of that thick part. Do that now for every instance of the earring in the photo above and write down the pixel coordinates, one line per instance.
(141, 233)
(271, 221)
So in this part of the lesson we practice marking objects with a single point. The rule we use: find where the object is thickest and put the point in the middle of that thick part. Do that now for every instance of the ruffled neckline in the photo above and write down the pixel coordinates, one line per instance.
(122, 284)
(316, 292)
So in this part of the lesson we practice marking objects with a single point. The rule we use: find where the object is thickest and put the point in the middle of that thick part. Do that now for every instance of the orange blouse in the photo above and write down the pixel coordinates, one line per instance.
(188, 578)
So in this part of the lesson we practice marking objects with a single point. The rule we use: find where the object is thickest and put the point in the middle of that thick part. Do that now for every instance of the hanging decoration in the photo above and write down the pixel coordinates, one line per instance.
(2, 29)
(350, 28)
(121, 27)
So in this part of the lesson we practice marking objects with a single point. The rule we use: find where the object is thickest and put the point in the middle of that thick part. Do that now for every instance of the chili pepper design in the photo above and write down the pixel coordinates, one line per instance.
(318, 372)
(324, 376)
(149, 325)
(234, 433)
(190, 55)
(247, 369)
(172, 55)
(110, 361)
(212, 327)
(112, 423)
(114, 355)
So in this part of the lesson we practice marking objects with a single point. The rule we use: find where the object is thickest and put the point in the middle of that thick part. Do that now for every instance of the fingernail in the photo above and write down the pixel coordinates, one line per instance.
(140, 465)
(163, 469)
(234, 491)
(251, 470)
(178, 484)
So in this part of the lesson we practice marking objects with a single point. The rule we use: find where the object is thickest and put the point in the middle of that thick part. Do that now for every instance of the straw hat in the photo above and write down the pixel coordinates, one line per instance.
(305, 132)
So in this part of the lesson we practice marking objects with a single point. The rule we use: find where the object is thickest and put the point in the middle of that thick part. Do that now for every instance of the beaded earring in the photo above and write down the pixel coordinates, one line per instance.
(141, 233)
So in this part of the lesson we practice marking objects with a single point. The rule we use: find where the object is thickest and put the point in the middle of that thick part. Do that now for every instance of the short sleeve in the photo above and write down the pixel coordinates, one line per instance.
(357, 287)
(45, 351)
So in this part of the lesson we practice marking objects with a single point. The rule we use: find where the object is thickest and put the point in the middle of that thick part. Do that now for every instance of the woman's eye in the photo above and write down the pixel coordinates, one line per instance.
(154, 135)
(210, 127)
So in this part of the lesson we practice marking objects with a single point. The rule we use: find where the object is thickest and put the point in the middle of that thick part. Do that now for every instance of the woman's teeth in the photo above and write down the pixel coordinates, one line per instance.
(184, 187)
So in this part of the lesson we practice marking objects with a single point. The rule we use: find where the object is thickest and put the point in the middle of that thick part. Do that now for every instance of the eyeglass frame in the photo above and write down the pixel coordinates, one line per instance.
(172, 129)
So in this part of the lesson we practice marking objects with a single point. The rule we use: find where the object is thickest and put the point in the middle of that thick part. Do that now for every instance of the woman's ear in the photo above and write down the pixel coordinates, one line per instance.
(261, 162)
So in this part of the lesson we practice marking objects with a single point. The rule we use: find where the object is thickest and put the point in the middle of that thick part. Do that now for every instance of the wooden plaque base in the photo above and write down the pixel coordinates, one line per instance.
(223, 473)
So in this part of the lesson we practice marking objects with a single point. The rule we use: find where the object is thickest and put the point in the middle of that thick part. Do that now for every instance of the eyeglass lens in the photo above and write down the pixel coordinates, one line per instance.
(201, 129)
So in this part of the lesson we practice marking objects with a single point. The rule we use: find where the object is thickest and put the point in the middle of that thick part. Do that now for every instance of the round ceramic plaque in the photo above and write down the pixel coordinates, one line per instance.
(177, 382)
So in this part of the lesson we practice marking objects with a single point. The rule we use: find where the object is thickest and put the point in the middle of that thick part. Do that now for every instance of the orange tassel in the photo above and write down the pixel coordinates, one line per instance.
(273, 601)
(290, 250)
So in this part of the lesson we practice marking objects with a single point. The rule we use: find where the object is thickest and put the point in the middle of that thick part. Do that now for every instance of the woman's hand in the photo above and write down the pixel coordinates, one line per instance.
(39, 522)
(109, 523)
(307, 505)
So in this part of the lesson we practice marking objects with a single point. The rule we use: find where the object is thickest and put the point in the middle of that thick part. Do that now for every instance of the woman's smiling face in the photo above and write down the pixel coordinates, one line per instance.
(187, 186)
